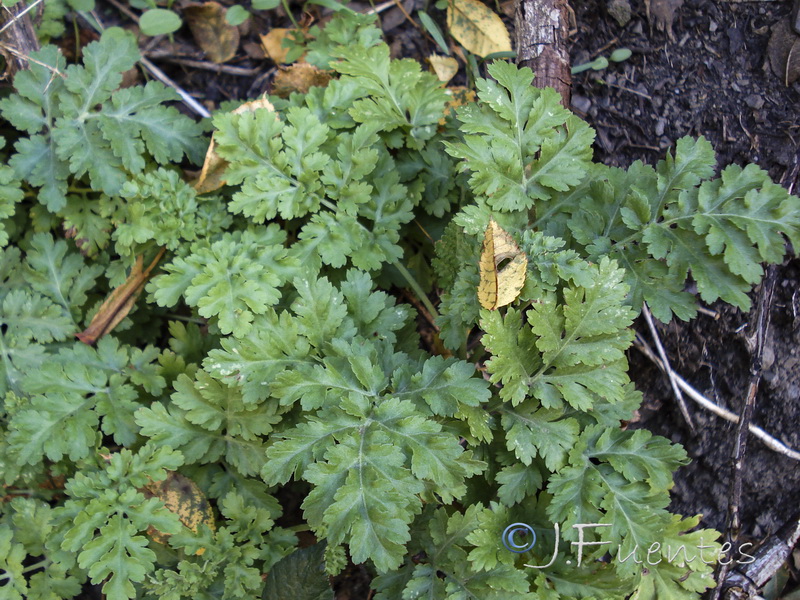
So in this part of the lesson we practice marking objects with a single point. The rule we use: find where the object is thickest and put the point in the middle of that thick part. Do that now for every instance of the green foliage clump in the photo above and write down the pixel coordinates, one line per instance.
(271, 352)
(79, 124)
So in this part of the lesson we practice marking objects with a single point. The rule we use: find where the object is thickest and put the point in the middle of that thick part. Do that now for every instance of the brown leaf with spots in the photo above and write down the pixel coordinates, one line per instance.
(299, 77)
(183, 497)
(218, 39)
(459, 96)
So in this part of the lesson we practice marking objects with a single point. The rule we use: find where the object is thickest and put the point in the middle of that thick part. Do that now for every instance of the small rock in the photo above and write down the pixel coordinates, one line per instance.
(661, 124)
(712, 27)
(769, 357)
(620, 10)
(581, 103)
(735, 39)
(754, 101)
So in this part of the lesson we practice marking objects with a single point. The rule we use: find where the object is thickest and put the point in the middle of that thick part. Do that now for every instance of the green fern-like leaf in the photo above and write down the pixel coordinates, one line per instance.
(520, 144)
(389, 451)
(106, 516)
(68, 134)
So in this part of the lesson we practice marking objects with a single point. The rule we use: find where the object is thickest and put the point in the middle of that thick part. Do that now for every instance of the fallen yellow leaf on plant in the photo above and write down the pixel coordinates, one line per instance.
(271, 43)
(183, 497)
(299, 77)
(499, 287)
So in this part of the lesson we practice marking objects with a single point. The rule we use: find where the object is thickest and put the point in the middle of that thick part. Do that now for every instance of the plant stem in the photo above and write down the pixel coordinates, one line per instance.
(178, 317)
(39, 565)
(291, 16)
(423, 297)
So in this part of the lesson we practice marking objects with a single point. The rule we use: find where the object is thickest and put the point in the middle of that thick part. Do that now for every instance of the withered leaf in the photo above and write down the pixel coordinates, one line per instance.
(119, 302)
(218, 39)
(183, 497)
(661, 13)
(783, 50)
(299, 77)
(445, 67)
(477, 27)
(271, 42)
(212, 175)
(500, 286)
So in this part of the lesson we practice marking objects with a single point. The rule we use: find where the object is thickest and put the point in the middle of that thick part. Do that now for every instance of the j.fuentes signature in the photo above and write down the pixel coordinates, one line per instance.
(521, 537)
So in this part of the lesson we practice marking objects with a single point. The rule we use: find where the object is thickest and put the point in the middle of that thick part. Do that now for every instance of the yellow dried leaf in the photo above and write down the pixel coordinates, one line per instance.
(255, 105)
(212, 175)
(477, 28)
(445, 67)
(272, 44)
(218, 39)
(183, 497)
(459, 96)
(499, 287)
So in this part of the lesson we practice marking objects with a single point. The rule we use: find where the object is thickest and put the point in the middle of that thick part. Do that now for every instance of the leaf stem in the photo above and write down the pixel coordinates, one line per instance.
(423, 297)
(291, 16)
(39, 565)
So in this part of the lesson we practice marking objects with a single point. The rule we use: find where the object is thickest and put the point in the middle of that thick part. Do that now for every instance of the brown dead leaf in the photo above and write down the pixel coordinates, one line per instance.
(218, 39)
(119, 302)
(661, 13)
(508, 8)
(272, 44)
(783, 50)
(299, 77)
(500, 286)
(183, 497)
(212, 176)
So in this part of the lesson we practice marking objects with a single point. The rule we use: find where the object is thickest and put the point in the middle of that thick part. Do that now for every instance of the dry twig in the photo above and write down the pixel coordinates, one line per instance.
(207, 66)
(18, 16)
(768, 440)
(187, 99)
(667, 367)
(757, 343)
(19, 39)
